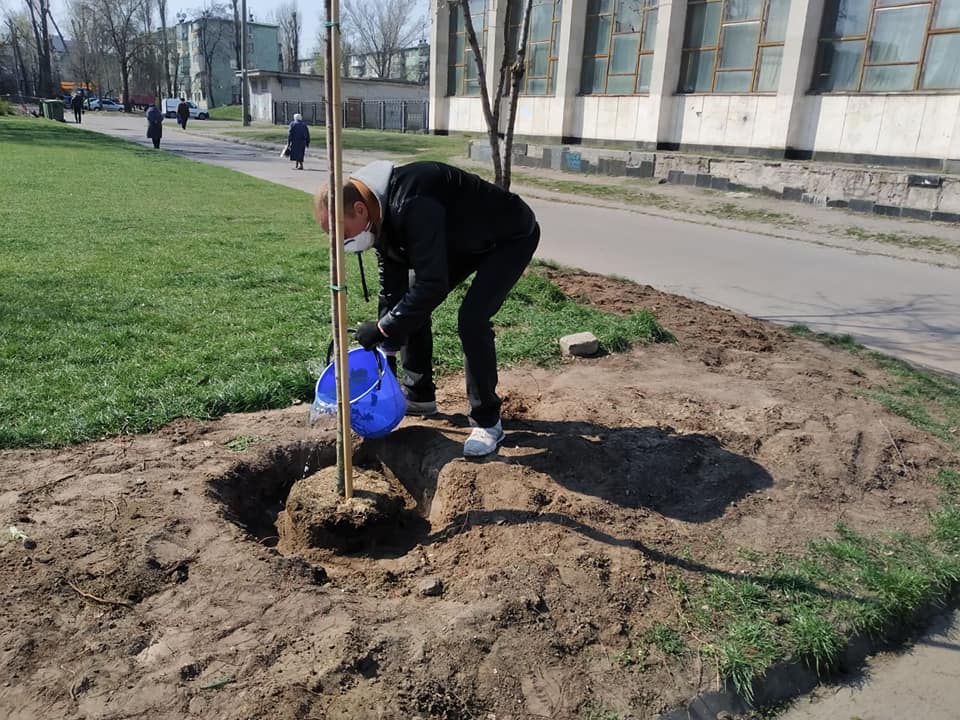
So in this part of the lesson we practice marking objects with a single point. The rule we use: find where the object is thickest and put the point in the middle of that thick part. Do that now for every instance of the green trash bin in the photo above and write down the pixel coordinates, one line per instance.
(53, 110)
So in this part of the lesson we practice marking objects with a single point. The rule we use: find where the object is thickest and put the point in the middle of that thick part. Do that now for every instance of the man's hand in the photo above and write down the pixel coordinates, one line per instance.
(369, 335)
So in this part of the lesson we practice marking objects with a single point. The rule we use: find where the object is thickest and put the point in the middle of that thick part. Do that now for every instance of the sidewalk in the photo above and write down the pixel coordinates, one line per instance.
(931, 242)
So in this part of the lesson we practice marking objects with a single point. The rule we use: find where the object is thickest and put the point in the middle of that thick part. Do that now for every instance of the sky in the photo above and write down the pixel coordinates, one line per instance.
(263, 10)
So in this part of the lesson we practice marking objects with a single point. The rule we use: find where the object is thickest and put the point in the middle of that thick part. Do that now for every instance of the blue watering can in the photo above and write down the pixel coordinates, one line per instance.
(377, 404)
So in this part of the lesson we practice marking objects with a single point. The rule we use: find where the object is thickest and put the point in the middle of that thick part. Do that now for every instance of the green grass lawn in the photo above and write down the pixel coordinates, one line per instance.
(137, 287)
(227, 112)
(414, 145)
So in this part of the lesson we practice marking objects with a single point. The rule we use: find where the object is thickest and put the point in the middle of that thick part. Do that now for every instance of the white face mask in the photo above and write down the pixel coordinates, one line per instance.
(363, 240)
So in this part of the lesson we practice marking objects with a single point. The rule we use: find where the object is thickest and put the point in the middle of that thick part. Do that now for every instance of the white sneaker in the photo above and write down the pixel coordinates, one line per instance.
(483, 441)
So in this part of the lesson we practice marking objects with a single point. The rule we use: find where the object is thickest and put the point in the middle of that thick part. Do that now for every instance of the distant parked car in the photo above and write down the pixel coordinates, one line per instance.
(95, 103)
(170, 109)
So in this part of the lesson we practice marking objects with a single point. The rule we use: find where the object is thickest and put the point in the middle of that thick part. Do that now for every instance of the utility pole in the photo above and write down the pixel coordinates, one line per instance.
(244, 87)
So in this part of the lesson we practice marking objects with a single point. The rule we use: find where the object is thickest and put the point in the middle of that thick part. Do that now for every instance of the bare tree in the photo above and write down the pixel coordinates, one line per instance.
(512, 67)
(17, 37)
(213, 32)
(119, 20)
(84, 52)
(39, 12)
(381, 28)
(291, 26)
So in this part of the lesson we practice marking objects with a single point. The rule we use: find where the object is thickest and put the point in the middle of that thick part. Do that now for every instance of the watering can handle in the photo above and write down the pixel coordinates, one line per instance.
(375, 352)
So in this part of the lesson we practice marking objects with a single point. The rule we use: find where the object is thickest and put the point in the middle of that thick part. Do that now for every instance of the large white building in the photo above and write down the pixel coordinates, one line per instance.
(843, 80)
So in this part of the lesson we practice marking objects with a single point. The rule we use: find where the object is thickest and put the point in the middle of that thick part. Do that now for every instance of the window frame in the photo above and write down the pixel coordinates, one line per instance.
(467, 52)
(647, 8)
(553, 55)
(875, 6)
(717, 50)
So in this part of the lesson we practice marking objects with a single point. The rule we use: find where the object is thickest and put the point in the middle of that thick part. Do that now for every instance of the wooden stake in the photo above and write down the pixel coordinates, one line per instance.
(338, 276)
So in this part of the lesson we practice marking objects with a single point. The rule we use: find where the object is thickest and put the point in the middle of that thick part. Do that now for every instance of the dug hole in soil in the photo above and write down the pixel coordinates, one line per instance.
(159, 588)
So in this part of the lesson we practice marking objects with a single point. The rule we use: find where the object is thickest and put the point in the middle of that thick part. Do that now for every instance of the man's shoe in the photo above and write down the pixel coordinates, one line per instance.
(483, 441)
(421, 409)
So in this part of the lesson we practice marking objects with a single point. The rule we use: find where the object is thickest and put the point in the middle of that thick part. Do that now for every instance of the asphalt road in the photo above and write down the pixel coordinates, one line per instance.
(906, 308)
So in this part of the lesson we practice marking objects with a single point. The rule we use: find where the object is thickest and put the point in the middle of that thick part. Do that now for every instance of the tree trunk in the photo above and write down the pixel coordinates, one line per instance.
(488, 114)
(22, 83)
(211, 103)
(165, 46)
(42, 44)
(519, 66)
(43, 53)
(125, 82)
(237, 25)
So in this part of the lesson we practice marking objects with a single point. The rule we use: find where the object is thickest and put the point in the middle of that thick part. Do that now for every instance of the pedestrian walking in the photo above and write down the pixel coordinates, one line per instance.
(298, 140)
(154, 125)
(76, 102)
(444, 224)
(183, 113)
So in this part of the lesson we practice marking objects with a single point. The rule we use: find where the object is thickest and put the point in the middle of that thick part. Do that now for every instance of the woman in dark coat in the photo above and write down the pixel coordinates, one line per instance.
(154, 125)
(298, 140)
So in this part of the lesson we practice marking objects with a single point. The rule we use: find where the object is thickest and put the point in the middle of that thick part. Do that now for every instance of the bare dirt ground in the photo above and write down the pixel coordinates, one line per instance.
(156, 589)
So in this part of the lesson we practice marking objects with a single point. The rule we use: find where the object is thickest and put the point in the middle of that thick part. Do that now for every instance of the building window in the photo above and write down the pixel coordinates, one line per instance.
(733, 46)
(543, 43)
(889, 45)
(462, 72)
(618, 47)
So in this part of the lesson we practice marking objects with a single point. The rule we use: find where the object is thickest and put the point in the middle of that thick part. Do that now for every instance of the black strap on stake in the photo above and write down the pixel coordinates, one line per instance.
(363, 279)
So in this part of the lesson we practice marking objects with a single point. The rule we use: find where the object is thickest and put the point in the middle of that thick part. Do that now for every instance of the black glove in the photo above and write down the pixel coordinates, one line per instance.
(369, 335)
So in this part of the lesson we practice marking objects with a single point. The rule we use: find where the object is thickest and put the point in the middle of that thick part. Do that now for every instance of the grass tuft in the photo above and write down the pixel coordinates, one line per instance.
(667, 640)
(597, 711)
(806, 608)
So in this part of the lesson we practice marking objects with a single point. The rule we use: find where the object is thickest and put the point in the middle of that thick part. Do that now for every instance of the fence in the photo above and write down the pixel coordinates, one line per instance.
(399, 115)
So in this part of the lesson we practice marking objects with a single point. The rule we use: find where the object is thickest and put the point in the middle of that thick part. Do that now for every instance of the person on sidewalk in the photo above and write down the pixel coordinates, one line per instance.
(298, 140)
(154, 125)
(183, 113)
(443, 224)
(76, 102)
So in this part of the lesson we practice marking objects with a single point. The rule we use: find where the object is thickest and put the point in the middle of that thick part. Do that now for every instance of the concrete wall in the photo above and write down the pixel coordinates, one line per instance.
(882, 191)
(284, 87)
(790, 122)
(905, 125)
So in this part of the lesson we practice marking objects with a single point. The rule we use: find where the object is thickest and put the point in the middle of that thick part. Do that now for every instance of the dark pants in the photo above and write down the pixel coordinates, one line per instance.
(183, 123)
(497, 272)
(77, 116)
(156, 143)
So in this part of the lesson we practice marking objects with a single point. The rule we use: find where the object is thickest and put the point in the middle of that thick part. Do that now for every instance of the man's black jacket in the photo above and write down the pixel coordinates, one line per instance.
(435, 217)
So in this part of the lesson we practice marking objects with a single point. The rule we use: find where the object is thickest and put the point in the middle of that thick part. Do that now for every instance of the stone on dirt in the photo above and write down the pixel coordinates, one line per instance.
(431, 586)
(582, 344)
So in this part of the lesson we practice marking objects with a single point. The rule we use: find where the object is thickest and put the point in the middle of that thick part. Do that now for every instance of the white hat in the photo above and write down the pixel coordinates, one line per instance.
(297, 116)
